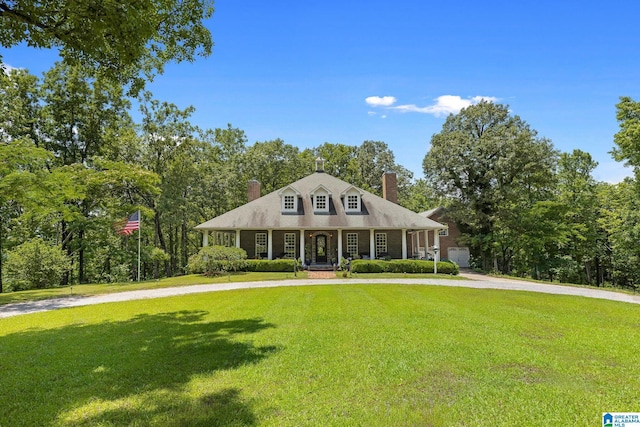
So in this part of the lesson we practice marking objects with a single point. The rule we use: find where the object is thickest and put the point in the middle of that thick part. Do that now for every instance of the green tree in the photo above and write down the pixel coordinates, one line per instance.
(273, 163)
(117, 38)
(627, 139)
(620, 218)
(493, 167)
(36, 264)
(577, 190)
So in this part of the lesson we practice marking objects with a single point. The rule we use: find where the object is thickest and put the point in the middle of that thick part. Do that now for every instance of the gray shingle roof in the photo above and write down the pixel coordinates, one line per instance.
(265, 212)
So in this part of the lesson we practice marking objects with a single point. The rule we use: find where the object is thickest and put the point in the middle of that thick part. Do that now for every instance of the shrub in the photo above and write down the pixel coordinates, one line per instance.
(35, 265)
(265, 265)
(215, 259)
(402, 266)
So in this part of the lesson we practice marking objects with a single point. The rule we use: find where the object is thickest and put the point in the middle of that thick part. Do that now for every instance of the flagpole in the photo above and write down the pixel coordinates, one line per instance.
(139, 232)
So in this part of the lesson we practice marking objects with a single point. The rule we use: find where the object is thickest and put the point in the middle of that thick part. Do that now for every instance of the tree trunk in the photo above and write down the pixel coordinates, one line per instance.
(185, 249)
(81, 266)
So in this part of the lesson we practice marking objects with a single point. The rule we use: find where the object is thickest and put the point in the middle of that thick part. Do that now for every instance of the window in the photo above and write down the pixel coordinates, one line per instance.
(443, 233)
(352, 202)
(381, 243)
(321, 202)
(224, 238)
(352, 199)
(289, 200)
(290, 245)
(289, 203)
(352, 244)
(261, 245)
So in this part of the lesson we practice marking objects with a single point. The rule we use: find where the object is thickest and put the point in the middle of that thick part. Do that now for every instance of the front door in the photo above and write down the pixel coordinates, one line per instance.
(321, 248)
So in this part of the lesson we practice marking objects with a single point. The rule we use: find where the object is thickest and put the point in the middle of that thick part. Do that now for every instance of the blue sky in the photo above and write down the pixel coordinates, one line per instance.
(348, 71)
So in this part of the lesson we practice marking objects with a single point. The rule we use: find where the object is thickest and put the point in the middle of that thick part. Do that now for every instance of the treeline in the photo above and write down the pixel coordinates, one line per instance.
(73, 162)
(529, 210)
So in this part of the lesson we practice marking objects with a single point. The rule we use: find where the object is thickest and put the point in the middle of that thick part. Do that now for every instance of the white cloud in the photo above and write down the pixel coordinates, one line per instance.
(380, 101)
(444, 105)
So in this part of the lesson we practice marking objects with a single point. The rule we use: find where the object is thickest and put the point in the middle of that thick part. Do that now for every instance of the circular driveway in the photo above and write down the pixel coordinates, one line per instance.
(472, 280)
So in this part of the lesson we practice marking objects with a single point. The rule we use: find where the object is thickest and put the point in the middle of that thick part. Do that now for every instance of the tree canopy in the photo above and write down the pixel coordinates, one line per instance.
(116, 38)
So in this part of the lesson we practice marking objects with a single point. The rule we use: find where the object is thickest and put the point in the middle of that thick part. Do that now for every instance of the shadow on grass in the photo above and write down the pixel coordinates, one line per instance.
(134, 372)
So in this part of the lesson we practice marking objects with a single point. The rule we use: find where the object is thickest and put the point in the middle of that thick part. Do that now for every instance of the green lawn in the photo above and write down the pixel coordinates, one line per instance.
(324, 355)
(193, 279)
(108, 288)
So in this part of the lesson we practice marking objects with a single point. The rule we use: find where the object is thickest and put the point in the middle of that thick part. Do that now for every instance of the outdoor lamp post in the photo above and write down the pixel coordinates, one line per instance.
(435, 260)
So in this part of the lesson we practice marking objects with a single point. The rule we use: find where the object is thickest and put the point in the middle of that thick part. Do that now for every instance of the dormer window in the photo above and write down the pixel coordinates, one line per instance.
(289, 203)
(320, 197)
(321, 202)
(352, 199)
(289, 197)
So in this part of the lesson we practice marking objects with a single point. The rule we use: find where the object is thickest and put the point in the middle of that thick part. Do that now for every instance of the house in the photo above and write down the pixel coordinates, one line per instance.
(449, 237)
(321, 219)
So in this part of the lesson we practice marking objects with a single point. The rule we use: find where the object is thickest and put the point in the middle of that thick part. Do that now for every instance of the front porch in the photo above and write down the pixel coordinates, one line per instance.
(325, 248)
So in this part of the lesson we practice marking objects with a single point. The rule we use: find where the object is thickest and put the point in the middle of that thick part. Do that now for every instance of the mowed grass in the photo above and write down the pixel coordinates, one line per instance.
(375, 355)
(189, 280)
(108, 288)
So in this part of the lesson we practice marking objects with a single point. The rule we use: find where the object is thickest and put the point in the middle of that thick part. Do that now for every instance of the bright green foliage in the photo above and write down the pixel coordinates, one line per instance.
(402, 266)
(215, 259)
(116, 38)
(628, 138)
(620, 218)
(276, 265)
(493, 167)
(35, 265)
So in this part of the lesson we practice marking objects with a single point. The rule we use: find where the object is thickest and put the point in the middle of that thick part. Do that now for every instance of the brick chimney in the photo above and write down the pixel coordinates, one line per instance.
(254, 190)
(390, 187)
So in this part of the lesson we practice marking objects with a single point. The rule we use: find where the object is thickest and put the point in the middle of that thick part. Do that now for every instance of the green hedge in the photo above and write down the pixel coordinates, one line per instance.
(264, 265)
(402, 266)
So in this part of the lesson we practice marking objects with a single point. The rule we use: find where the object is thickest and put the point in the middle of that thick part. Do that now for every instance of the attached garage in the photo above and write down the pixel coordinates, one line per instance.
(459, 255)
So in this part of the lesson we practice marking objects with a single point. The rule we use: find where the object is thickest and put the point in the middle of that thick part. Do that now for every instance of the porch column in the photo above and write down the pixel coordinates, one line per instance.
(269, 244)
(205, 238)
(237, 238)
(418, 243)
(302, 246)
(339, 245)
(404, 243)
(372, 244)
(436, 244)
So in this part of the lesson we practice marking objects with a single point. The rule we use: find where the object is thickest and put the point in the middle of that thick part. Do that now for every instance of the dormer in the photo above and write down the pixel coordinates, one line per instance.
(320, 197)
(289, 199)
(352, 199)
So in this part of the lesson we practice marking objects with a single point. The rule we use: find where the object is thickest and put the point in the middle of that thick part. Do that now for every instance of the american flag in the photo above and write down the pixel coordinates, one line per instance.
(129, 225)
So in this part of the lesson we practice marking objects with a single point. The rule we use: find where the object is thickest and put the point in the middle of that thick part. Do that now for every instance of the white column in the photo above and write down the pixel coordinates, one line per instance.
(372, 244)
(302, 245)
(237, 238)
(205, 238)
(269, 244)
(339, 245)
(404, 243)
(418, 243)
(436, 244)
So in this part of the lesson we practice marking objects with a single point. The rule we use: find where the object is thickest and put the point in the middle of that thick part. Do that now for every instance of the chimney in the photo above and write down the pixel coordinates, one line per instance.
(254, 190)
(390, 187)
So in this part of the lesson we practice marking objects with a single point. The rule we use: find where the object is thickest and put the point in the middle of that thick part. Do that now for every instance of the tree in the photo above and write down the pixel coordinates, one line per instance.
(117, 38)
(627, 139)
(373, 159)
(577, 191)
(493, 167)
(35, 264)
(620, 218)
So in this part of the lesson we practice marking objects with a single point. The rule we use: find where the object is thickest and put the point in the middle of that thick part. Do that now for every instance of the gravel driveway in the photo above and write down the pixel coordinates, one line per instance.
(472, 280)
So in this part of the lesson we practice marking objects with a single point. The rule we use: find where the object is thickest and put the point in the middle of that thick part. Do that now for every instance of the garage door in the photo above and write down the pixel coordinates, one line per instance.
(459, 255)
